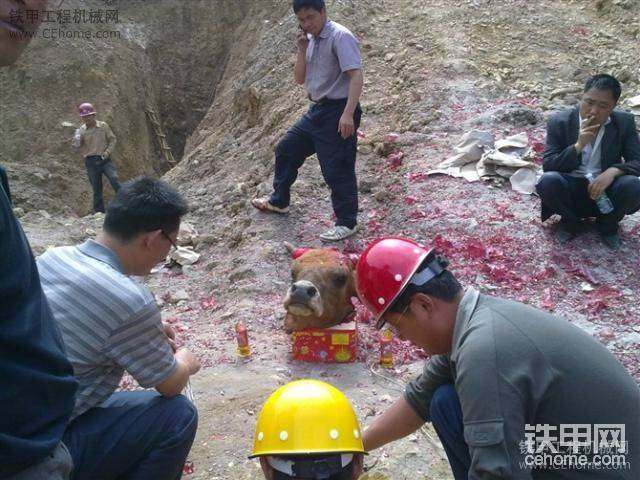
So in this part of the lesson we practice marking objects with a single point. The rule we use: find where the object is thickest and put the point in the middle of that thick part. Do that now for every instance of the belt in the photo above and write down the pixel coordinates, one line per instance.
(326, 101)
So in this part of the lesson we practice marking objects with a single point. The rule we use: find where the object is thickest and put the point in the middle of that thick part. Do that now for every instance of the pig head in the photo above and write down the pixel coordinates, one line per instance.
(322, 284)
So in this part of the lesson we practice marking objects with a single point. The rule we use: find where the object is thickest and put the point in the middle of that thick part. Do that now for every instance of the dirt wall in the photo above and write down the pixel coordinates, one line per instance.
(165, 55)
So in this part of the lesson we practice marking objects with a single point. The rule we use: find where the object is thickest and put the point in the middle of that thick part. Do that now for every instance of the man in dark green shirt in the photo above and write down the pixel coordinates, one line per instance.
(512, 391)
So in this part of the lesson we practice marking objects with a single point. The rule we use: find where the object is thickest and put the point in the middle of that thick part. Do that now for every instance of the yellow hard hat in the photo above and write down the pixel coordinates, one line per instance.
(307, 417)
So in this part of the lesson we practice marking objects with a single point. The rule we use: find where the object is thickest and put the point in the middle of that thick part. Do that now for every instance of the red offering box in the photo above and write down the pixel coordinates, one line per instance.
(337, 344)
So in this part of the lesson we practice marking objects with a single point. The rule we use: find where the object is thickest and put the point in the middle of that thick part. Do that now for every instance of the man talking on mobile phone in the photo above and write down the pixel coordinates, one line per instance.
(330, 67)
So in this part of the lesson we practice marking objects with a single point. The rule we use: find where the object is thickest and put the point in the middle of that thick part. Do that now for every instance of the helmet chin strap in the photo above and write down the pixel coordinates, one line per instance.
(318, 468)
(432, 270)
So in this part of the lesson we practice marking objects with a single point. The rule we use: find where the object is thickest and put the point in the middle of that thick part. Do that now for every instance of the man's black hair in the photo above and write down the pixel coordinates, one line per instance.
(317, 5)
(444, 286)
(144, 204)
(603, 81)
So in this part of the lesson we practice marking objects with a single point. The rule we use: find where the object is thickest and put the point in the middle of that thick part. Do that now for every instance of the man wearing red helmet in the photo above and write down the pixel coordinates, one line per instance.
(506, 382)
(96, 141)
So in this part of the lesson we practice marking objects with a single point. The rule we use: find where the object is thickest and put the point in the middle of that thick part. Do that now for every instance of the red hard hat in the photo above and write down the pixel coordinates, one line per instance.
(86, 109)
(384, 270)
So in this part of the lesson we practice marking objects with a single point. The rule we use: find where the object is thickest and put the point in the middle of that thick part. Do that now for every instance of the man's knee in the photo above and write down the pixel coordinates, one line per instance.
(549, 184)
(626, 190)
(288, 145)
(443, 403)
(281, 147)
(184, 413)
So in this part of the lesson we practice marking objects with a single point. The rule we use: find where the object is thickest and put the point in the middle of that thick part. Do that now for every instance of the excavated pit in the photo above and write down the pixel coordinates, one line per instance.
(164, 56)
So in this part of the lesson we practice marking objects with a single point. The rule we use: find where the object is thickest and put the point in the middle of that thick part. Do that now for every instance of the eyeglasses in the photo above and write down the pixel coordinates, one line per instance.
(396, 324)
(166, 235)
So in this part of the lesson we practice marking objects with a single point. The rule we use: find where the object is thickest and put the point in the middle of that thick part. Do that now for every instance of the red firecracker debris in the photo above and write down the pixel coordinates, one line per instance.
(188, 468)
(548, 302)
(395, 159)
(209, 303)
(442, 245)
(601, 298)
(475, 249)
(417, 177)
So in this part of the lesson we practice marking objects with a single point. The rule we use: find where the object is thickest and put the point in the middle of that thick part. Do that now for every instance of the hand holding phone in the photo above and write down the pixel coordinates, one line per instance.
(302, 39)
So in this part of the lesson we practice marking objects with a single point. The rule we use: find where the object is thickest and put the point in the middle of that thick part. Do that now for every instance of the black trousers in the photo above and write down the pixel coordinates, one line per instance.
(4, 182)
(568, 197)
(317, 132)
(96, 167)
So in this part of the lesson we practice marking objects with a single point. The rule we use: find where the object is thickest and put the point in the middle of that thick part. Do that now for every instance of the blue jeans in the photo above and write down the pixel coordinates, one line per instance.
(132, 436)
(96, 167)
(317, 132)
(446, 417)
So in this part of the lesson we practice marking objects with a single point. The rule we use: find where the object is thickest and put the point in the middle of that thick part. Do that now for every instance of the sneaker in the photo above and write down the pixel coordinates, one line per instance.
(337, 233)
(612, 241)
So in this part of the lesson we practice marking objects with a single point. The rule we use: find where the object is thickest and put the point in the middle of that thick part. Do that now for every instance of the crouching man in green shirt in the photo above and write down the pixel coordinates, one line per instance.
(513, 392)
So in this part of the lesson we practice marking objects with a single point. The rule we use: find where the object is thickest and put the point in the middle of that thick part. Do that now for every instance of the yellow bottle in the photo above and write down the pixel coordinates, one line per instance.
(386, 355)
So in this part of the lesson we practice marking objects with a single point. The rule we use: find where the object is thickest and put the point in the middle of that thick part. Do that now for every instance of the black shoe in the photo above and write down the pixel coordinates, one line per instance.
(565, 232)
(612, 241)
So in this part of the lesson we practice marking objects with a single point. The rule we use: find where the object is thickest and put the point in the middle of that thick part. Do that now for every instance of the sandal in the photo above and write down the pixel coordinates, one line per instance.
(337, 233)
(264, 205)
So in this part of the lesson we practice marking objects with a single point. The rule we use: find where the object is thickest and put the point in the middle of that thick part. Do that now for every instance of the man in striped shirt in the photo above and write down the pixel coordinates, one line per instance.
(110, 323)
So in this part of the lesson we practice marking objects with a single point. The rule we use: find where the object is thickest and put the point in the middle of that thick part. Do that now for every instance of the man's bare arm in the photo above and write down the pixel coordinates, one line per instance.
(300, 70)
(186, 365)
(396, 422)
(346, 126)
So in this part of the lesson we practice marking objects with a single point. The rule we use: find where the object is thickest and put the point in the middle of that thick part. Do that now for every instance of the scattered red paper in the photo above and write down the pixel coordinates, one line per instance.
(188, 468)
(416, 215)
(548, 302)
(417, 177)
(176, 324)
(544, 274)
(475, 249)
(209, 303)
(391, 137)
(395, 159)
(601, 298)
(442, 245)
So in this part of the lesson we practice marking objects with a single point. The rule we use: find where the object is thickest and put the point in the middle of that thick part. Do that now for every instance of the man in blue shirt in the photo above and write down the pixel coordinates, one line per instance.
(38, 387)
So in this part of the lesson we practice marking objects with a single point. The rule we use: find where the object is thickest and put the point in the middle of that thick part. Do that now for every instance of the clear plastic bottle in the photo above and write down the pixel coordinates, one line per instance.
(603, 202)
(77, 138)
